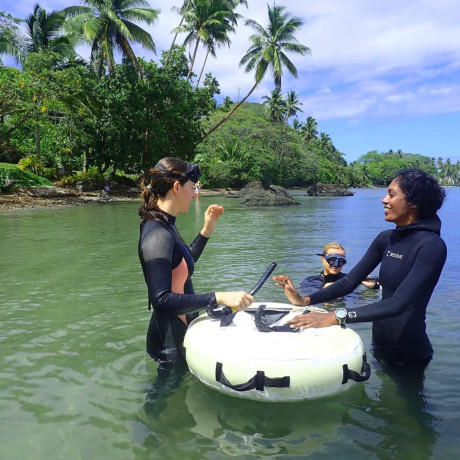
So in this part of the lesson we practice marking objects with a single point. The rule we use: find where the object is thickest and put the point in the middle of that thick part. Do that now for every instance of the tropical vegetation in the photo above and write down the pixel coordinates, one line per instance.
(62, 117)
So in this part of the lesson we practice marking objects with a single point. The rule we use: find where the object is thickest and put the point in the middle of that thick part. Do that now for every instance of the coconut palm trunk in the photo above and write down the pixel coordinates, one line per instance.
(192, 63)
(202, 68)
(221, 122)
(175, 35)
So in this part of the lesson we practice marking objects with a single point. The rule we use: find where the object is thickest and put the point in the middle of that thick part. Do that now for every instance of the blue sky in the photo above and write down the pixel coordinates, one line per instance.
(381, 75)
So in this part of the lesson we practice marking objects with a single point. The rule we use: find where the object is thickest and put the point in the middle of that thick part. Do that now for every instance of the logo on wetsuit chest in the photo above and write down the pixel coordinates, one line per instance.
(394, 255)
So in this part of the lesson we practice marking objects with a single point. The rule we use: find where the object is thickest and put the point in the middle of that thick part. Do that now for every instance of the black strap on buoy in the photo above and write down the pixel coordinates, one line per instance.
(263, 322)
(258, 382)
(226, 313)
(348, 374)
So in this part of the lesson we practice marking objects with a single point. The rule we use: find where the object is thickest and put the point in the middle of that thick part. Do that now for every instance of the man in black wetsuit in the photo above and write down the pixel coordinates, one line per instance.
(411, 256)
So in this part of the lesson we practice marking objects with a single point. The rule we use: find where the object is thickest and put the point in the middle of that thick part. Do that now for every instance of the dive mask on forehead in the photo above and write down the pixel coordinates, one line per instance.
(193, 173)
(334, 260)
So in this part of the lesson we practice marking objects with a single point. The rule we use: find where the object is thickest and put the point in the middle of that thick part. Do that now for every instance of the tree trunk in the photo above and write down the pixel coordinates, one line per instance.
(193, 60)
(202, 68)
(37, 137)
(175, 36)
(231, 113)
(128, 51)
(85, 160)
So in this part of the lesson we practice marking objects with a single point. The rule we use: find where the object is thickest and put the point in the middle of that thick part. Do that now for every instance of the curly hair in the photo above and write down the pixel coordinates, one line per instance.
(157, 183)
(422, 190)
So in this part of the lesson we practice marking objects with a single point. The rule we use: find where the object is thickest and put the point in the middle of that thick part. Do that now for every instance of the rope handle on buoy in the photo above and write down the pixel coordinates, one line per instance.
(227, 313)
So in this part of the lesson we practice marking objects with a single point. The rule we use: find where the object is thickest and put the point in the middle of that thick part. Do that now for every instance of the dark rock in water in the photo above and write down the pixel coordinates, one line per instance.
(321, 189)
(253, 194)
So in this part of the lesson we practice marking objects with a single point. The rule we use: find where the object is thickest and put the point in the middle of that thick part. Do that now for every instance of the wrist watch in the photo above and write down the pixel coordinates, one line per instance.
(341, 315)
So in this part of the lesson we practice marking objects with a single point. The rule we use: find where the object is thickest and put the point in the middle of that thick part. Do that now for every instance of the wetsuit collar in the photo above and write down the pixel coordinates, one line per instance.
(171, 219)
(330, 278)
(431, 224)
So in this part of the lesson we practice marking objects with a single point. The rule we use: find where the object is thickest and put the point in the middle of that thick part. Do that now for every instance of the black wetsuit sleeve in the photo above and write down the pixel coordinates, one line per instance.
(157, 249)
(196, 248)
(418, 283)
(352, 280)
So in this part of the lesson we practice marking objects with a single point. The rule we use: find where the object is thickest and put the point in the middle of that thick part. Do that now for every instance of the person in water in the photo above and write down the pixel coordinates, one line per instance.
(412, 257)
(333, 259)
(198, 186)
(168, 263)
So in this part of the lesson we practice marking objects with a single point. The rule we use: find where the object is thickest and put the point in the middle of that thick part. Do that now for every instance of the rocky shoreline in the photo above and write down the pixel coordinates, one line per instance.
(252, 194)
(51, 197)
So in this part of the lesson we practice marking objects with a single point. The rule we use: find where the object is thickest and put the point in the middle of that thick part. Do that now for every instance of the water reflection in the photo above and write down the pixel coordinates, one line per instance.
(398, 414)
(385, 417)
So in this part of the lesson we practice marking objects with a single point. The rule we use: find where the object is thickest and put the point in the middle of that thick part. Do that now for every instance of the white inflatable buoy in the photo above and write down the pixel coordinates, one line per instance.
(239, 360)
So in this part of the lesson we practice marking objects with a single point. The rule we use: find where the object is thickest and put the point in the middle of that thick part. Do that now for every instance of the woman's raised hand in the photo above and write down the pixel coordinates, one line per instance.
(290, 291)
(238, 300)
(211, 217)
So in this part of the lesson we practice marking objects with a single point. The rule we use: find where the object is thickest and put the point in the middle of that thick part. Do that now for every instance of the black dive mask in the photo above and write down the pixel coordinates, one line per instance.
(334, 260)
(193, 173)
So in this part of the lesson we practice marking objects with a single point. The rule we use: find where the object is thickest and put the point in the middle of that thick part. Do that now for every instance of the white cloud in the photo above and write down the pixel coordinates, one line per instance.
(368, 59)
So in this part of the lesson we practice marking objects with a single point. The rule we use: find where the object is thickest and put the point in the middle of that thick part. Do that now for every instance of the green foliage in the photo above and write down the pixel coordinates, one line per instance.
(110, 26)
(31, 163)
(26, 178)
(249, 147)
(141, 120)
(92, 176)
(379, 169)
(36, 105)
(448, 173)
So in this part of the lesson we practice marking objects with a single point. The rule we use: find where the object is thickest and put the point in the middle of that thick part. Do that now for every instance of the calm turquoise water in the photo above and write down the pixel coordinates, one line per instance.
(75, 381)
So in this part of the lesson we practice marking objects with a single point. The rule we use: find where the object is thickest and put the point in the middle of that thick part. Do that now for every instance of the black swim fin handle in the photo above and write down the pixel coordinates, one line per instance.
(211, 309)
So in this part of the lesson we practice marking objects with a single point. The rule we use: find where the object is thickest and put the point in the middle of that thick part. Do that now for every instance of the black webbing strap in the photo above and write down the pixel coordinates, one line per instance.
(348, 374)
(263, 321)
(258, 382)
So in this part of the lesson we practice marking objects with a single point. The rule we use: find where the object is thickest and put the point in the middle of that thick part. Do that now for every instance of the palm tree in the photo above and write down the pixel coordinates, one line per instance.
(206, 22)
(108, 24)
(325, 142)
(189, 5)
(183, 10)
(297, 125)
(309, 130)
(219, 33)
(275, 106)
(43, 33)
(292, 105)
(268, 50)
(268, 45)
(218, 36)
(11, 42)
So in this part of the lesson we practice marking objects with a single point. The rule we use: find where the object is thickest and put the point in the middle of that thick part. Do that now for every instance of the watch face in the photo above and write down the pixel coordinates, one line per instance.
(341, 313)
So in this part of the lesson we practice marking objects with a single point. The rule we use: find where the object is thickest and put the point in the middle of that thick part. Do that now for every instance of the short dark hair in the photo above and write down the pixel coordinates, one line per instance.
(422, 190)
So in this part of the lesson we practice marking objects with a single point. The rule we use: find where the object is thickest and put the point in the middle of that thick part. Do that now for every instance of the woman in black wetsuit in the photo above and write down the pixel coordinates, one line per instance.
(168, 263)
(411, 256)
